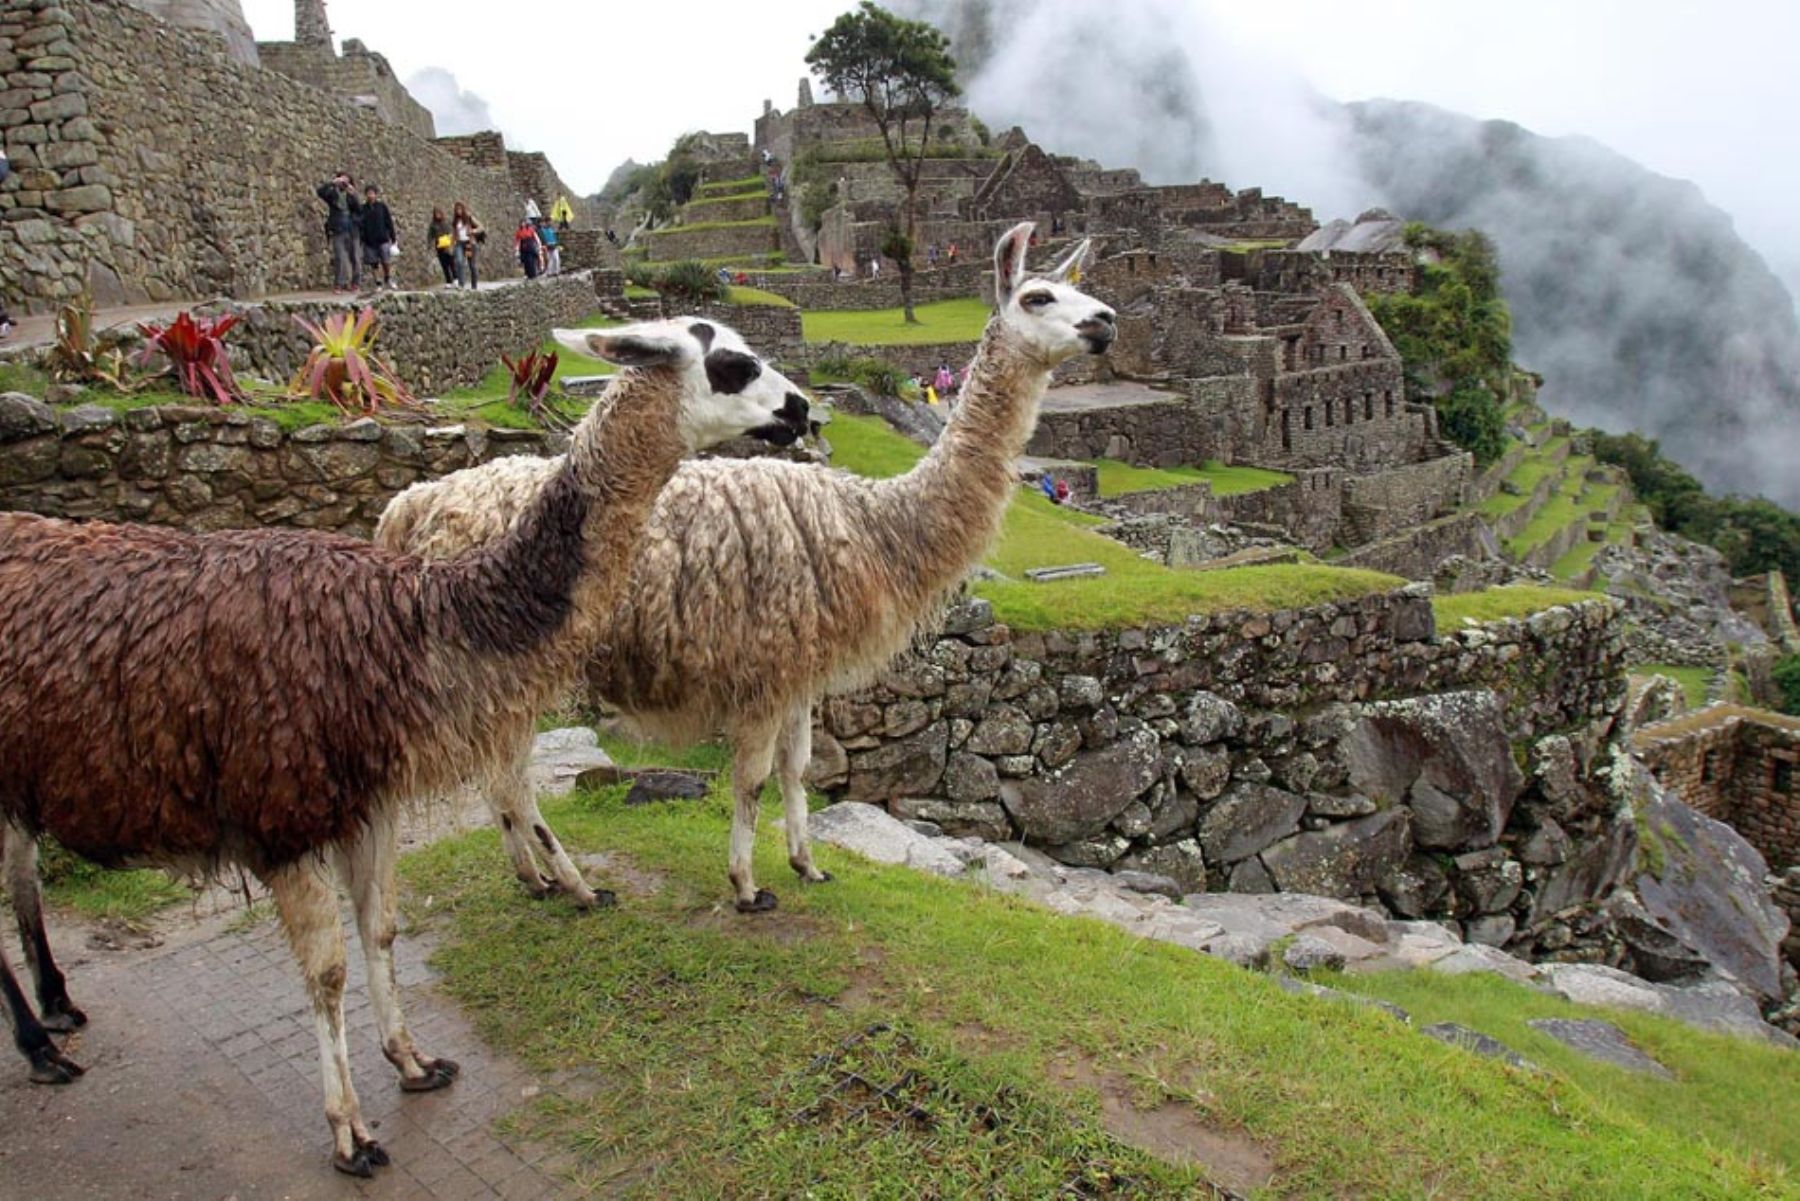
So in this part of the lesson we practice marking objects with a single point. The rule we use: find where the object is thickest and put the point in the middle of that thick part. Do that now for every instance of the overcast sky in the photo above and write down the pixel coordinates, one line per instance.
(1702, 91)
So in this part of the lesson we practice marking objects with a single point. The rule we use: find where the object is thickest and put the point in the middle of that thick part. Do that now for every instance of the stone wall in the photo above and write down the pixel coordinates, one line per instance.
(678, 242)
(1399, 498)
(358, 76)
(1417, 552)
(1148, 433)
(436, 340)
(205, 468)
(1738, 765)
(920, 360)
(1310, 508)
(113, 136)
(817, 291)
(1224, 752)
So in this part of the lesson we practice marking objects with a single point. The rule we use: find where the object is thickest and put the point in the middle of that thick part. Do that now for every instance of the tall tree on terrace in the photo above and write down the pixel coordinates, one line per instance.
(902, 73)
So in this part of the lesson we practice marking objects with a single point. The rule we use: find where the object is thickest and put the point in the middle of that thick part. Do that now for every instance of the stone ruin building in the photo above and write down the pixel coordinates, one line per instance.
(116, 116)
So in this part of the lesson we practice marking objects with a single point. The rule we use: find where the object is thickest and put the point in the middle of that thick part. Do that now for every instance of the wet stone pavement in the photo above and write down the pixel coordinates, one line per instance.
(203, 1082)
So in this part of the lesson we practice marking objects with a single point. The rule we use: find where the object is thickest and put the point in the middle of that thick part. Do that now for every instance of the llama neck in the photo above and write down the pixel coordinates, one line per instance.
(542, 588)
(951, 505)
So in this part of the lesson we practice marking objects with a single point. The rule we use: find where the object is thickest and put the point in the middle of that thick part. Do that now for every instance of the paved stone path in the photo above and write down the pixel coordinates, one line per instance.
(203, 1076)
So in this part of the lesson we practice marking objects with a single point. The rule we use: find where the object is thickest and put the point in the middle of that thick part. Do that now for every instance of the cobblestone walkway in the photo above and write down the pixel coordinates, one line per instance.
(203, 1082)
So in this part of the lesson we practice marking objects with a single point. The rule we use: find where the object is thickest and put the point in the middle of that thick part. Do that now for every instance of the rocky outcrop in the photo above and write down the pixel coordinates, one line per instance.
(1447, 758)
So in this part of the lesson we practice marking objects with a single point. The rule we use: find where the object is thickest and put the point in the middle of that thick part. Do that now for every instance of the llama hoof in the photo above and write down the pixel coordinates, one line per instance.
(438, 1074)
(599, 898)
(50, 1066)
(62, 1017)
(363, 1161)
(821, 876)
(763, 902)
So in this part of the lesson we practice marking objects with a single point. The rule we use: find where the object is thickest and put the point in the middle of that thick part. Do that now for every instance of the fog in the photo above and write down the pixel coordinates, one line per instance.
(1632, 293)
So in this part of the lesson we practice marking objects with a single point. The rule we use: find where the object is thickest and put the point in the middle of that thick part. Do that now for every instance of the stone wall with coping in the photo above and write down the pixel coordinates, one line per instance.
(920, 360)
(816, 291)
(1739, 765)
(698, 242)
(1223, 752)
(115, 121)
(1396, 499)
(1310, 507)
(1416, 553)
(436, 340)
(1155, 433)
(206, 468)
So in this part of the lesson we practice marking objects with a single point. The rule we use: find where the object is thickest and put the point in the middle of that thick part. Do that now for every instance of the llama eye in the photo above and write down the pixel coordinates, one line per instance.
(1036, 300)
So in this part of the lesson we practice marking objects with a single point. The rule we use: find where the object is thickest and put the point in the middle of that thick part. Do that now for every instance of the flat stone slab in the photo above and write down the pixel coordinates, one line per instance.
(874, 834)
(1078, 398)
(1600, 1040)
(1712, 1006)
(1478, 1043)
(558, 757)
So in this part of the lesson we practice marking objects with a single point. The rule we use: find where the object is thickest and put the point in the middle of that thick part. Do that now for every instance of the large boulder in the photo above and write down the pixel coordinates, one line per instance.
(1345, 859)
(1446, 757)
(910, 766)
(1247, 818)
(1698, 895)
(1079, 801)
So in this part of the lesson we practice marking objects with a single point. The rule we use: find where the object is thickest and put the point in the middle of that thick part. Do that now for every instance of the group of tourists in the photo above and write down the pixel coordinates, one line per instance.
(362, 237)
(940, 388)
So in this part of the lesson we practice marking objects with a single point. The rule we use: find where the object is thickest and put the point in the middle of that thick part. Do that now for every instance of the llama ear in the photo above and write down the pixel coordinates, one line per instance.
(1009, 260)
(632, 346)
(1079, 262)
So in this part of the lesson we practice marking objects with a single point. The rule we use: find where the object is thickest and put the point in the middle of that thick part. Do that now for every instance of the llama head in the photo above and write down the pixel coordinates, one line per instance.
(727, 389)
(1049, 314)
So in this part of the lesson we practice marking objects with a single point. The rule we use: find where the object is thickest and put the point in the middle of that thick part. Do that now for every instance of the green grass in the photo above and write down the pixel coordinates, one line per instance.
(1495, 604)
(1565, 507)
(1118, 478)
(1134, 591)
(724, 187)
(96, 892)
(639, 292)
(21, 377)
(940, 321)
(699, 1031)
(695, 227)
(738, 294)
(1694, 681)
(1525, 478)
(1578, 559)
(701, 202)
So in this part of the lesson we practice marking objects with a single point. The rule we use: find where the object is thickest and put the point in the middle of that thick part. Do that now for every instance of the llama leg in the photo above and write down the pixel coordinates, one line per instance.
(504, 784)
(755, 754)
(369, 870)
(515, 803)
(793, 751)
(48, 1065)
(306, 898)
(56, 1011)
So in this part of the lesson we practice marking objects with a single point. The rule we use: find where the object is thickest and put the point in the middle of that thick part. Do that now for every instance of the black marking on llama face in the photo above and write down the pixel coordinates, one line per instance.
(703, 333)
(731, 371)
(791, 422)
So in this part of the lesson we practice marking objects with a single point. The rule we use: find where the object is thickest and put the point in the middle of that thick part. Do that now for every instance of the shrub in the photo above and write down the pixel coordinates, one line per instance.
(874, 374)
(195, 349)
(342, 366)
(1787, 683)
(689, 280)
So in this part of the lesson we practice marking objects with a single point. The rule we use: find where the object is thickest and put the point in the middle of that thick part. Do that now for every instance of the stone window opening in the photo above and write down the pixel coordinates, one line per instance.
(1309, 417)
(1349, 411)
(1343, 354)
(1781, 777)
(1330, 415)
(1388, 397)
(1368, 406)
(1287, 429)
(1337, 315)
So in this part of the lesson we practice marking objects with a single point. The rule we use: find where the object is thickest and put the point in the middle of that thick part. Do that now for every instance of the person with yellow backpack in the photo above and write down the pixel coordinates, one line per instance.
(441, 237)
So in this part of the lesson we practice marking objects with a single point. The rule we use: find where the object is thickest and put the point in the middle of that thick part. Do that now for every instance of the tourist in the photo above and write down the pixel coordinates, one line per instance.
(5, 165)
(952, 254)
(945, 380)
(874, 266)
(724, 275)
(611, 236)
(530, 249)
(931, 255)
(552, 248)
(532, 213)
(563, 213)
(378, 237)
(342, 210)
(469, 237)
(440, 235)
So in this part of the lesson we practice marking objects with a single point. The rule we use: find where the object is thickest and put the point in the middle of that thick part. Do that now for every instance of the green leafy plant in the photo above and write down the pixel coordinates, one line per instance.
(76, 356)
(195, 349)
(689, 280)
(342, 366)
(532, 375)
(874, 374)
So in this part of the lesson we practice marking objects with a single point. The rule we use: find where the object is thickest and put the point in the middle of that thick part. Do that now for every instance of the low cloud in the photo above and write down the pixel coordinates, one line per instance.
(456, 111)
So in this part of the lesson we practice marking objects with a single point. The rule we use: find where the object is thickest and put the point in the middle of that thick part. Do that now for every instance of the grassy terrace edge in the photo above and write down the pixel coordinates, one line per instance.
(699, 1028)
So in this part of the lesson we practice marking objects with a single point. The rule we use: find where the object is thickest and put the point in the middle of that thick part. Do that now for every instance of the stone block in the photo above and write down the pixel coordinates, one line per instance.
(1247, 818)
(1081, 799)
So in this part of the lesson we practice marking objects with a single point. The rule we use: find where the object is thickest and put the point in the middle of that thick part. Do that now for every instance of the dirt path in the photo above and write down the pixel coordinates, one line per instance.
(203, 1077)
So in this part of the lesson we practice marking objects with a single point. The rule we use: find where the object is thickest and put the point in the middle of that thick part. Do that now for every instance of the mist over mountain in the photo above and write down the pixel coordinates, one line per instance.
(1635, 297)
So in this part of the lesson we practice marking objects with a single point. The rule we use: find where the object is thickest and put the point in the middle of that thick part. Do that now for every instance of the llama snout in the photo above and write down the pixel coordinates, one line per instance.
(790, 424)
(1098, 331)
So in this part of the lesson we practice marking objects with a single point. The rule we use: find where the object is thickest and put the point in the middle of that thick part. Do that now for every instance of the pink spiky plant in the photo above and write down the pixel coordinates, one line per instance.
(195, 348)
(343, 368)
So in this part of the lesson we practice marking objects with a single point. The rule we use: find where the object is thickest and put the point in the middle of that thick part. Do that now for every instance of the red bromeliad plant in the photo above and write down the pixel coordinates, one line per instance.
(531, 377)
(195, 348)
(343, 367)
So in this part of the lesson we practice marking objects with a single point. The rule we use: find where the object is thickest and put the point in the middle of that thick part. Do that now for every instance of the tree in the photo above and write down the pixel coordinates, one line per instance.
(902, 74)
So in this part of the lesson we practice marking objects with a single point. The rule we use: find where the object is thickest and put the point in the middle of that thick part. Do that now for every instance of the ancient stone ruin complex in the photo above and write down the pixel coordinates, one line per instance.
(118, 120)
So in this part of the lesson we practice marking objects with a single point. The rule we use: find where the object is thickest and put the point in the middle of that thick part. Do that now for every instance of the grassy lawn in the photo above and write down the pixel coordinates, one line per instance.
(1694, 681)
(1118, 478)
(1134, 591)
(940, 321)
(1494, 604)
(1041, 1047)
(694, 227)
(737, 294)
(1579, 558)
(96, 892)
(731, 187)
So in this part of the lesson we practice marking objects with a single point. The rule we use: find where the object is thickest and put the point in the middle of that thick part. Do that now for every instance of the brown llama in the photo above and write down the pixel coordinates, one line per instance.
(762, 585)
(270, 698)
